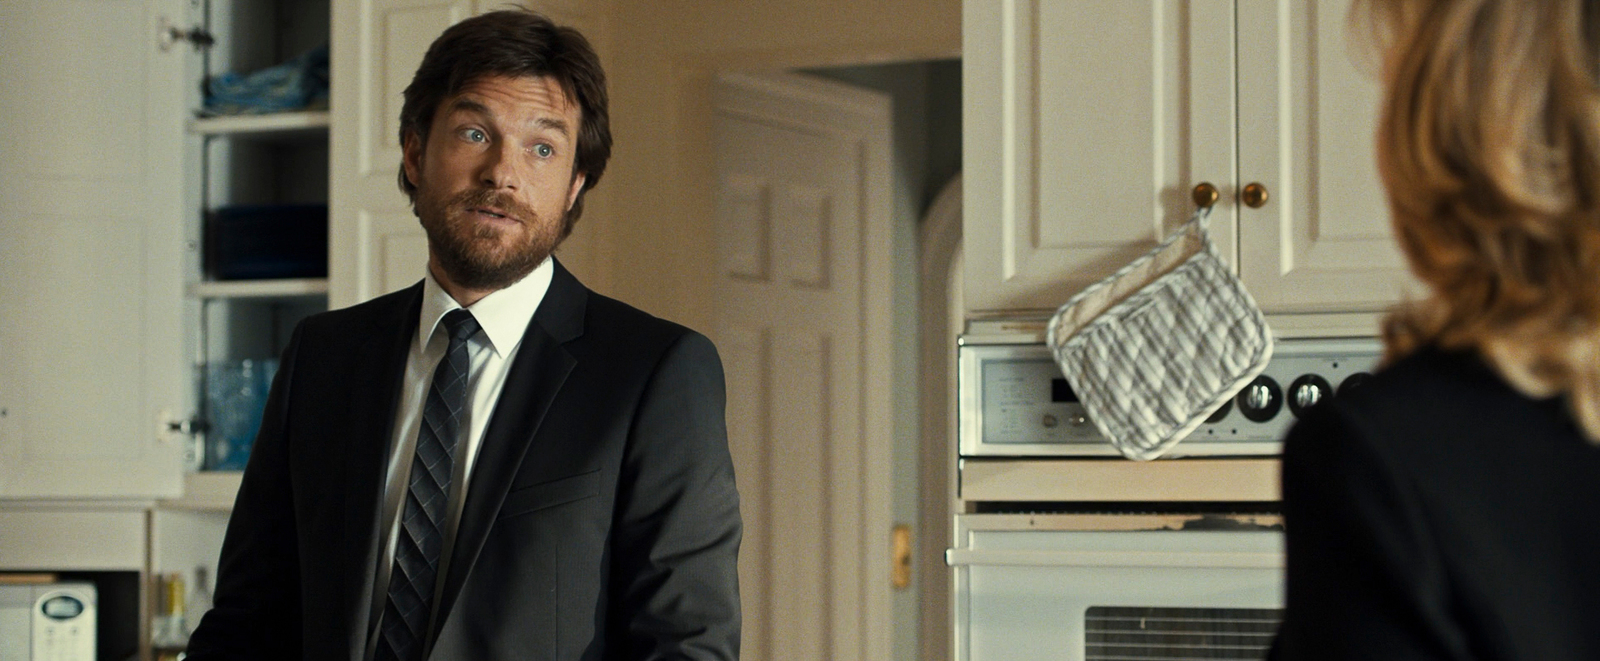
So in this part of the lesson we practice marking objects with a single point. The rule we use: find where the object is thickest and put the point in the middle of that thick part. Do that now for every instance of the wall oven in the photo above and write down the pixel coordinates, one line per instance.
(1065, 550)
(1088, 587)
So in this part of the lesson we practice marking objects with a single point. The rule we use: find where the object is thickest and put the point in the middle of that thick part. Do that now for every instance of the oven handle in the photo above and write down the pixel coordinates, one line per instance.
(996, 558)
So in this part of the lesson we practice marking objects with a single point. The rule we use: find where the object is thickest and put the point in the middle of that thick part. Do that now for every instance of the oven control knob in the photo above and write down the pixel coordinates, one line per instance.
(1261, 400)
(1306, 391)
(1077, 419)
(1353, 381)
(1049, 421)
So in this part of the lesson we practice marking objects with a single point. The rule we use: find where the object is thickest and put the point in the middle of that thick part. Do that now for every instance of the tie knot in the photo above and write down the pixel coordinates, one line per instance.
(461, 325)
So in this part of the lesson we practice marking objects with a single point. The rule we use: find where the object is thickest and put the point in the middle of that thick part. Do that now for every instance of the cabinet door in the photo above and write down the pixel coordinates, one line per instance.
(91, 208)
(1086, 126)
(1307, 111)
(376, 245)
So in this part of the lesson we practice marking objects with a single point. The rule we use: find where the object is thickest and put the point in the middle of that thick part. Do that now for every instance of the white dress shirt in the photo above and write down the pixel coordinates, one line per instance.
(504, 316)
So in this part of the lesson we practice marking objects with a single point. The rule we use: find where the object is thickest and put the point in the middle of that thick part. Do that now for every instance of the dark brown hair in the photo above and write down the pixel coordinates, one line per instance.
(514, 43)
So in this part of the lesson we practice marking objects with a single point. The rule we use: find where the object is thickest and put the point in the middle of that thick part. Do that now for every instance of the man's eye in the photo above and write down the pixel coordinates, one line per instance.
(544, 150)
(474, 135)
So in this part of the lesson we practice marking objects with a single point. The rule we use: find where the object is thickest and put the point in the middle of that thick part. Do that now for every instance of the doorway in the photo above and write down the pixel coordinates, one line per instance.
(927, 156)
(923, 155)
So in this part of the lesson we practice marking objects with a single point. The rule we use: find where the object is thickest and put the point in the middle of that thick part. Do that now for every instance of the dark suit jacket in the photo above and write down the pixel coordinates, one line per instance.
(1435, 513)
(601, 521)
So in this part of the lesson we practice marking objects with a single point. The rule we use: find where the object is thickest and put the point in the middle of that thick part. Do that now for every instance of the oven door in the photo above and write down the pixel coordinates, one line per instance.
(1084, 587)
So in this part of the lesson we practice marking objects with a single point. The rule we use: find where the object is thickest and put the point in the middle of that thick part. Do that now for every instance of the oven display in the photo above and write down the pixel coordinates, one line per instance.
(1027, 401)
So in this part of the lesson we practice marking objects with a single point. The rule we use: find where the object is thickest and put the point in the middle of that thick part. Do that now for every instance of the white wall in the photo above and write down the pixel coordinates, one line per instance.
(649, 235)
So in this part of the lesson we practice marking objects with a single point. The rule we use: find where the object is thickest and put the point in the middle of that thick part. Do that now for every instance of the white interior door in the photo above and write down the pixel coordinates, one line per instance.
(91, 208)
(803, 233)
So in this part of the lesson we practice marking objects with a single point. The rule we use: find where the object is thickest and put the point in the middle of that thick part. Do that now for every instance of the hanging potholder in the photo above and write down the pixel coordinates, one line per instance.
(1155, 348)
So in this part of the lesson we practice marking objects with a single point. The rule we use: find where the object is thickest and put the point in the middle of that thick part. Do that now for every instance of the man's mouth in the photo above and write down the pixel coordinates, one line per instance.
(491, 212)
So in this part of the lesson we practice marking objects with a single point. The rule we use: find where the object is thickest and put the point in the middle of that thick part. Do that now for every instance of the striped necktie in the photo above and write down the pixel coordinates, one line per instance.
(422, 523)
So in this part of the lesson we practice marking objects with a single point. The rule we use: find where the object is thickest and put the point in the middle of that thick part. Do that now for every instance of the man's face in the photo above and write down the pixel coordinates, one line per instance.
(495, 180)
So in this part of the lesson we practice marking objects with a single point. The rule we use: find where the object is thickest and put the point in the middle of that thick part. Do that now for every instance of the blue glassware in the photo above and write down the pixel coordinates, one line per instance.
(236, 394)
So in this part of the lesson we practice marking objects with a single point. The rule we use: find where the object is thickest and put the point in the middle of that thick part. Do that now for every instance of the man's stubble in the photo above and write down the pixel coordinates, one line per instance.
(485, 257)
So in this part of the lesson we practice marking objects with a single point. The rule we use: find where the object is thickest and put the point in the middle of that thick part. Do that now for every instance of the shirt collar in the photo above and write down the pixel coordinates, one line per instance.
(504, 314)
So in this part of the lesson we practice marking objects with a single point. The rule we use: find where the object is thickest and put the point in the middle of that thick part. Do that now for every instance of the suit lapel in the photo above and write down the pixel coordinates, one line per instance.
(370, 427)
(536, 377)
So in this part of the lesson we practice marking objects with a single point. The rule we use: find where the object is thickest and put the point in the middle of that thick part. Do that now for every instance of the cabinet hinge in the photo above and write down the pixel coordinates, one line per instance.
(173, 428)
(168, 35)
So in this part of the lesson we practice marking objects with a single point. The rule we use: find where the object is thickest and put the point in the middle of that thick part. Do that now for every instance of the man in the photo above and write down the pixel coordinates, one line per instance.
(496, 462)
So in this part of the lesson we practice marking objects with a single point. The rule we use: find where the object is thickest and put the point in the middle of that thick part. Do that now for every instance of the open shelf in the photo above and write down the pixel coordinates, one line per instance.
(259, 288)
(306, 121)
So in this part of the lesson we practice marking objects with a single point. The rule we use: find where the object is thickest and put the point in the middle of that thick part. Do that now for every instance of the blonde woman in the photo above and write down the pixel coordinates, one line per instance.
(1450, 509)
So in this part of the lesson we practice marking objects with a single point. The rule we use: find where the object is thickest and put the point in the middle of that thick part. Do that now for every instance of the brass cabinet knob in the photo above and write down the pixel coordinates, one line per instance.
(1254, 195)
(1205, 194)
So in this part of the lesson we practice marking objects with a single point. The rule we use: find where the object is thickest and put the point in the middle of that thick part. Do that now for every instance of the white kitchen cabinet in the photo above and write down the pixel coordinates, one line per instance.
(92, 315)
(1087, 126)
(103, 183)
(1308, 106)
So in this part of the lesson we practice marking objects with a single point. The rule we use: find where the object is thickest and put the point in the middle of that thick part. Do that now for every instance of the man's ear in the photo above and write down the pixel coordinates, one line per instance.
(412, 160)
(577, 187)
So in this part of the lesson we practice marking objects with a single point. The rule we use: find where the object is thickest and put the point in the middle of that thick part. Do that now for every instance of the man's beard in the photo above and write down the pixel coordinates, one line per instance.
(483, 257)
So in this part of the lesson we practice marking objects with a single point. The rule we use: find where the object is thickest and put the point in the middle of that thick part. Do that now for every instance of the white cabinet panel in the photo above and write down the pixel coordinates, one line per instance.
(59, 539)
(395, 36)
(1085, 126)
(1322, 242)
(376, 47)
(394, 251)
(91, 322)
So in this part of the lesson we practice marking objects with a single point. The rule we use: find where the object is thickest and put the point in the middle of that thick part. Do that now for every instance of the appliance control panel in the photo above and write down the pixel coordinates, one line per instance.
(1013, 400)
(54, 621)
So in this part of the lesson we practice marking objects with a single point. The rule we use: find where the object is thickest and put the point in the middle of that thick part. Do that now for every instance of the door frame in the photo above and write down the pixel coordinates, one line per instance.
(939, 309)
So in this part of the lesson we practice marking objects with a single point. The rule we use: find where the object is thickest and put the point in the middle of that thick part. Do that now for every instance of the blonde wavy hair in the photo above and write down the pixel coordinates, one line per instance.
(1489, 147)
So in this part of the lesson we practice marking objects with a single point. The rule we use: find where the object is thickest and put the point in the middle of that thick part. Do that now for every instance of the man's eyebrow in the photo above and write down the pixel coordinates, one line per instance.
(553, 123)
(469, 105)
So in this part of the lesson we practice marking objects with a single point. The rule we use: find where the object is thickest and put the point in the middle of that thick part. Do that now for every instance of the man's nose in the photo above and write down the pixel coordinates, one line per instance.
(499, 167)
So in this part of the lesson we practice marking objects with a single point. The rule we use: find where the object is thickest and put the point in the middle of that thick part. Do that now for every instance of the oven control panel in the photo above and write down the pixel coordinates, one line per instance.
(1013, 400)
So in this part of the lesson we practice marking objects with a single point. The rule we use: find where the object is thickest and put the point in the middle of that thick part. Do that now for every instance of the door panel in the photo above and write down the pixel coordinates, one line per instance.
(376, 47)
(91, 321)
(1081, 147)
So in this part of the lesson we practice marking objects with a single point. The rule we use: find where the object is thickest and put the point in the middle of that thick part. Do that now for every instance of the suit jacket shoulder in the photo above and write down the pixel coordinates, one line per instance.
(610, 320)
(357, 321)
(603, 332)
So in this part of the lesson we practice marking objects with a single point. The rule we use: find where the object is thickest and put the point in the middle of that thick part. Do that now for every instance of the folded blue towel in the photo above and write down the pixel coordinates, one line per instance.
(294, 85)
